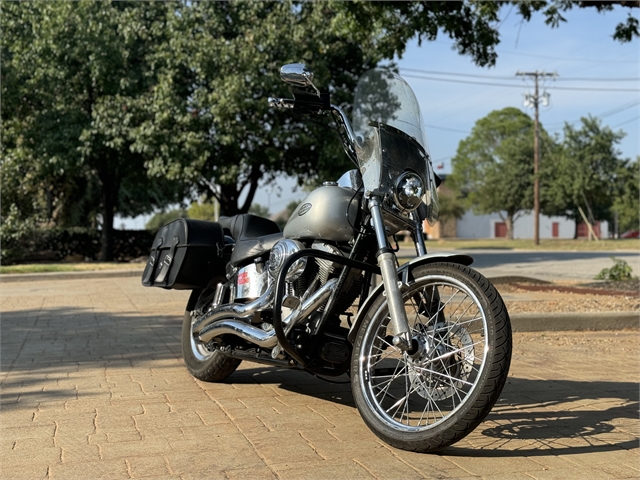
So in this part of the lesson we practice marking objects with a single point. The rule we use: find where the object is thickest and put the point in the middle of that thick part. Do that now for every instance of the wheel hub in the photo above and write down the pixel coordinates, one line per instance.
(438, 367)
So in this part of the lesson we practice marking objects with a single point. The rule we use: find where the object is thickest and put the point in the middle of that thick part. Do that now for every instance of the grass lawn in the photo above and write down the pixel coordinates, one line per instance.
(69, 267)
(545, 244)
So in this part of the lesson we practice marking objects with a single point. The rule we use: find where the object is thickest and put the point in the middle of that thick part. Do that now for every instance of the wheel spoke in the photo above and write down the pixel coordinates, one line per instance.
(453, 352)
(423, 390)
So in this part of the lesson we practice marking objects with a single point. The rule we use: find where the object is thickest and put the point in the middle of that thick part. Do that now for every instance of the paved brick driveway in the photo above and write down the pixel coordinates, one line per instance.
(93, 386)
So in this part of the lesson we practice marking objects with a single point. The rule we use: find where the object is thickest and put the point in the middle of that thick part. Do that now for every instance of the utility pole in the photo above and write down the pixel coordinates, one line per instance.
(534, 101)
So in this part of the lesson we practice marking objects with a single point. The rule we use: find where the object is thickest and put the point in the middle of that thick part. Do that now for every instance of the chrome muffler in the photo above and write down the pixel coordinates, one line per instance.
(232, 318)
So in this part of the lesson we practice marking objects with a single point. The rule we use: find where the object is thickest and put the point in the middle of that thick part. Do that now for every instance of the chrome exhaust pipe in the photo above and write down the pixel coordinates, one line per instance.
(208, 330)
(240, 329)
(233, 311)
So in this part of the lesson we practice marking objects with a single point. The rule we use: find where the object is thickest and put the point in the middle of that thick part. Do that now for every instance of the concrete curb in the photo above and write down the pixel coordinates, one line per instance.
(574, 321)
(522, 322)
(35, 277)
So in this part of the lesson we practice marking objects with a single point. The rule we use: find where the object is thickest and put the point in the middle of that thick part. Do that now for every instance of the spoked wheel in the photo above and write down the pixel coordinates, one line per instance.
(434, 395)
(202, 362)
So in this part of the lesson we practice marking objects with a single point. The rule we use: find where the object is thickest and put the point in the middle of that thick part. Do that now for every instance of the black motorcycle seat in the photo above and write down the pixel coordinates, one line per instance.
(254, 236)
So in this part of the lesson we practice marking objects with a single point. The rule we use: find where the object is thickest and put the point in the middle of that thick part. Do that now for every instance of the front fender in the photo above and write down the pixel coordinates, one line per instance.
(402, 274)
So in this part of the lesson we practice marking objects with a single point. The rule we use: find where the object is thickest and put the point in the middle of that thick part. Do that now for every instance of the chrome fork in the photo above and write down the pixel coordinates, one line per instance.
(392, 285)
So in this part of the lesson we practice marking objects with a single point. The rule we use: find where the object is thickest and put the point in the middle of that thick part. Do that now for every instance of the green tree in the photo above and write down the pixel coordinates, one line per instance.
(626, 204)
(451, 204)
(260, 210)
(203, 211)
(473, 25)
(98, 96)
(160, 219)
(493, 167)
(584, 173)
(74, 78)
(209, 122)
(215, 129)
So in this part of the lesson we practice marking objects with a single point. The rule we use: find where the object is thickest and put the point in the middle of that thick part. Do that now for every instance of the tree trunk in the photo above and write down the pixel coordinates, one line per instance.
(230, 196)
(109, 194)
(229, 200)
(509, 224)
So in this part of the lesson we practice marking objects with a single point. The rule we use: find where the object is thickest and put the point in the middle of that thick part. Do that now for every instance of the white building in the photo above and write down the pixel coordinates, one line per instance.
(492, 226)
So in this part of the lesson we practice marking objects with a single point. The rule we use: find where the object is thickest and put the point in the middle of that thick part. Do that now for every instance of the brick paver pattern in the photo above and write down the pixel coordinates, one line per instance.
(93, 386)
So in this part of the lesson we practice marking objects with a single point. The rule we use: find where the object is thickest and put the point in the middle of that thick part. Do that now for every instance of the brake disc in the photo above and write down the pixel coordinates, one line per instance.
(444, 365)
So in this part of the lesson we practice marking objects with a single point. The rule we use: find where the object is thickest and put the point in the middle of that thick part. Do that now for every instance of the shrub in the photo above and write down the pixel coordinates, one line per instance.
(56, 244)
(621, 270)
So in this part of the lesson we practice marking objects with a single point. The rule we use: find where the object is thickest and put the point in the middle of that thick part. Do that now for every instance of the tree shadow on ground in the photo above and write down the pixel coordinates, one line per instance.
(558, 417)
(39, 347)
(543, 417)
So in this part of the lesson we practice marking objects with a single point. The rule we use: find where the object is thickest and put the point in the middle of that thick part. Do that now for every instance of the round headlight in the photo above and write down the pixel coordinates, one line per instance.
(408, 191)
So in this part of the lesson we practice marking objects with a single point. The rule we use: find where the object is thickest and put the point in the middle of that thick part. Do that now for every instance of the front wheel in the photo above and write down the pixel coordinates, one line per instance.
(438, 392)
(204, 364)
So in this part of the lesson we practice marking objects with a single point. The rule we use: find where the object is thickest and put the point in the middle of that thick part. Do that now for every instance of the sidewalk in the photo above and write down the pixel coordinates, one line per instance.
(93, 386)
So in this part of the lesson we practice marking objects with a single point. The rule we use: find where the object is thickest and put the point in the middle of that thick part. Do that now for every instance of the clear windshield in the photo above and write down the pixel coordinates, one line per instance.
(391, 138)
(384, 97)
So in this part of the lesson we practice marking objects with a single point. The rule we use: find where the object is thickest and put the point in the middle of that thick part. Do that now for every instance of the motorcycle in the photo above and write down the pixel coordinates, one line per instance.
(427, 349)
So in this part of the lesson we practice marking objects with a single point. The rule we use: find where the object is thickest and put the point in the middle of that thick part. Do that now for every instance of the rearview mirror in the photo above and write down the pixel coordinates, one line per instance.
(297, 74)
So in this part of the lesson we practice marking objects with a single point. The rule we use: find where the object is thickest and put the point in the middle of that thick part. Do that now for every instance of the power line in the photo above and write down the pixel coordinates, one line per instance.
(555, 126)
(619, 109)
(587, 89)
(447, 129)
(598, 79)
(569, 59)
(498, 77)
(626, 121)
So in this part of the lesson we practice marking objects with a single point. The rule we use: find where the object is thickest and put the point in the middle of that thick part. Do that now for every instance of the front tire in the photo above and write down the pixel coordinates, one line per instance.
(202, 363)
(434, 396)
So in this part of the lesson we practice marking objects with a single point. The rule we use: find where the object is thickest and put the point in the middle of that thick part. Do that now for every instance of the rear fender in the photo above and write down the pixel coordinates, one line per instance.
(403, 275)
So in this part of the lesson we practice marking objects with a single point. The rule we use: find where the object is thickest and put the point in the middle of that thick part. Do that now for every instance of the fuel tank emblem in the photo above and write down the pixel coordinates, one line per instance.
(304, 209)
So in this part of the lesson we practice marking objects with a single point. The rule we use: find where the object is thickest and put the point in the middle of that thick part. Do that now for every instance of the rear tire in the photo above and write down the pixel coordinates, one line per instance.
(202, 363)
(429, 400)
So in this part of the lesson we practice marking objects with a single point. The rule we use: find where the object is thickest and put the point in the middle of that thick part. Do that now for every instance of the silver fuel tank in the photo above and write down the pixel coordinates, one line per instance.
(327, 213)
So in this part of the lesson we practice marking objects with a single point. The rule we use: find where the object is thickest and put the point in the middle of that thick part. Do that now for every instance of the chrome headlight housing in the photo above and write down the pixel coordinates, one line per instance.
(408, 191)
(280, 252)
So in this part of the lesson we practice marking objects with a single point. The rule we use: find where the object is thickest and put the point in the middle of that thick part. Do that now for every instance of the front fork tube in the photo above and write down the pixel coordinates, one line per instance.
(421, 248)
(392, 285)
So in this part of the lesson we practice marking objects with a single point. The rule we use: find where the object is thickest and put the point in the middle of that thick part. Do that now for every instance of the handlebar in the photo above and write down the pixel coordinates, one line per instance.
(281, 102)
(348, 137)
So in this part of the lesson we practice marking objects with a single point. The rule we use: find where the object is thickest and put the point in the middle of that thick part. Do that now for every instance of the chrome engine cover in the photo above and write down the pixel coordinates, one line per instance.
(280, 252)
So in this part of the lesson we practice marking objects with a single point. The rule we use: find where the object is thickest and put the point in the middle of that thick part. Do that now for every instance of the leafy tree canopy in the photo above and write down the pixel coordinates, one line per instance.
(493, 166)
(121, 107)
(211, 124)
(75, 75)
(626, 204)
(587, 172)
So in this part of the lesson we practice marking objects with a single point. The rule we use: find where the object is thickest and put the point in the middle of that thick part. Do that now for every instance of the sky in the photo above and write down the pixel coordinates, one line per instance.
(592, 79)
(596, 76)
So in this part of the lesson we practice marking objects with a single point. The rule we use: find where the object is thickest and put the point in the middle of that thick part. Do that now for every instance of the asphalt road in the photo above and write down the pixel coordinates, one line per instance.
(560, 265)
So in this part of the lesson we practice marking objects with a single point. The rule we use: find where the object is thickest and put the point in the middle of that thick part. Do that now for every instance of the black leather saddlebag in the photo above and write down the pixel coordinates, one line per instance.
(186, 254)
